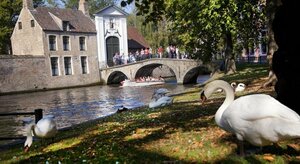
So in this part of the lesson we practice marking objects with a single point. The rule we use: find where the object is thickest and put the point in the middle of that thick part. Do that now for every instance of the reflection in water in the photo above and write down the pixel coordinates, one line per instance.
(76, 105)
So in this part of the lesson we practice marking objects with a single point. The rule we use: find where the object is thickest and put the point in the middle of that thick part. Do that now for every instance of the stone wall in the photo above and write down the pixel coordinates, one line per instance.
(33, 73)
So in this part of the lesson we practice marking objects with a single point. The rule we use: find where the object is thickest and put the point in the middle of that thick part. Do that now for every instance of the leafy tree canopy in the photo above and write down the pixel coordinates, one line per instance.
(207, 27)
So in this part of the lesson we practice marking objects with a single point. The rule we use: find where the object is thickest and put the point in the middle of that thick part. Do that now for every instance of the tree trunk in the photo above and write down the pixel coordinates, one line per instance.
(230, 67)
(272, 46)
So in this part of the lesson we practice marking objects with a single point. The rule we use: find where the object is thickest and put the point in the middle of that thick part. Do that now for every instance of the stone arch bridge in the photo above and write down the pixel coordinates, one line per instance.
(185, 70)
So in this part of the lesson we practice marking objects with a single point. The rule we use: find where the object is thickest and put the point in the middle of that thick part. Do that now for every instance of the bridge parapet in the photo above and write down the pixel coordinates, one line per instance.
(180, 67)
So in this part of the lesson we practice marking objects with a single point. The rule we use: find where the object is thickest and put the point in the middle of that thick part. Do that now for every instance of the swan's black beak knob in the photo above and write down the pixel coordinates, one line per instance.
(203, 98)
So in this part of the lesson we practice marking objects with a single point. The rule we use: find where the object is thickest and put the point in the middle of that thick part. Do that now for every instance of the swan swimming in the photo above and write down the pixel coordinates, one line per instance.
(259, 118)
(44, 128)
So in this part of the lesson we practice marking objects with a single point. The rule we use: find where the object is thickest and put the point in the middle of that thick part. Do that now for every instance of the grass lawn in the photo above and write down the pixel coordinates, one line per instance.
(184, 132)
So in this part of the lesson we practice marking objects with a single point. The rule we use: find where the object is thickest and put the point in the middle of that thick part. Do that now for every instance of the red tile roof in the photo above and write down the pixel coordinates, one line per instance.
(135, 39)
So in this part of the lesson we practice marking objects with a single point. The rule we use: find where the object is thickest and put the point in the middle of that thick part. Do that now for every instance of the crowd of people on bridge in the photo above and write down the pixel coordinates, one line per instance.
(147, 53)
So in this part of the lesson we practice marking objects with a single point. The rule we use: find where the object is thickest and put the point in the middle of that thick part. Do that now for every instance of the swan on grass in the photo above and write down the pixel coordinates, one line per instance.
(160, 99)
(163, 101)
(259, 118)
(159, 93)
(233, 85)
(44, 128)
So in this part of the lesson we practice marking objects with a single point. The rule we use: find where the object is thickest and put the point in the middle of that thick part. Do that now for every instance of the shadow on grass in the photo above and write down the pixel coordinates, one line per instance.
(110, 144)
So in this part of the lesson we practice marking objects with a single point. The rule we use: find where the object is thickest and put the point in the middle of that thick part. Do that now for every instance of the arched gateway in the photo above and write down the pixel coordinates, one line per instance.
(112, 47)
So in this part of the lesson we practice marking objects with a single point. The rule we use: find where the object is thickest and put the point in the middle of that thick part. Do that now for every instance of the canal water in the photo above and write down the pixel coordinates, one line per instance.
(75, 105)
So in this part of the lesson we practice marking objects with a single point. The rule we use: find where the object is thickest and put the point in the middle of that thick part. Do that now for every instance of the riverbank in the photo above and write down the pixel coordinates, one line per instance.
(184, 132)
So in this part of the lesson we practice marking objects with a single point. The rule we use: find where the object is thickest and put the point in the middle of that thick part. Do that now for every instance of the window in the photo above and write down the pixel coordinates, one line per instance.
(82, 43)
(84, 64)
(66, 44)
(32, 23)
(66, 26)
(54, 66)
(20, 25)
(68, 65)
(111, 22)
(52, 43)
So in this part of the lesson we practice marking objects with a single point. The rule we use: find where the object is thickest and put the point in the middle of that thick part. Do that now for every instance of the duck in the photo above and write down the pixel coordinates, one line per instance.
(159, 93)
(258, 119)
(122, 109)
(44, 128)
(240, 87)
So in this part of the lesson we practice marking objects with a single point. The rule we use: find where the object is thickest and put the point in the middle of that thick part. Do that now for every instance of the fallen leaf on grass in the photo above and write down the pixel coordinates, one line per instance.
(154, 115)
(268, 157)
(294, 146)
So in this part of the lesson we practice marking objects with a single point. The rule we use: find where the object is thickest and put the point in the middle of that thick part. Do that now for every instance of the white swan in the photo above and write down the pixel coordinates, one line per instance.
(233, 85)
(159, 93)
(259, 118)
(163, 101)
(45, 128)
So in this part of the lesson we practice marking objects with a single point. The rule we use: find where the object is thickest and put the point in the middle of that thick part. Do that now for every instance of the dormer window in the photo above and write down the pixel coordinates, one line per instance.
(32, 23)
(66, 25)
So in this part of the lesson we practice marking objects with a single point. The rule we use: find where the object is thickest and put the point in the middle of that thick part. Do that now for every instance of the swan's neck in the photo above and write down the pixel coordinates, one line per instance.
(229, 93)
(29, 131)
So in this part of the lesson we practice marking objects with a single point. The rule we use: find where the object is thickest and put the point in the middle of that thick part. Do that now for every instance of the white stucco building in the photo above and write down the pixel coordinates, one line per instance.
(111, 26)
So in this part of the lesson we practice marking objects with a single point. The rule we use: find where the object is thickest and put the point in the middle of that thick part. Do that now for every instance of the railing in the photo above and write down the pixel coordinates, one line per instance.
(252, 59)
(38, 113)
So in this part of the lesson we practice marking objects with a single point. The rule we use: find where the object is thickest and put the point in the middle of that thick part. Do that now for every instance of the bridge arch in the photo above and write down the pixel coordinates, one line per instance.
(190, 76)
(184, 70)
(116, 77)
(148, 69)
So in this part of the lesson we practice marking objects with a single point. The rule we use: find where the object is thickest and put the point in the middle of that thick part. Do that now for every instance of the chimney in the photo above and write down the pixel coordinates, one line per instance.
(28, 4)
(84, 7)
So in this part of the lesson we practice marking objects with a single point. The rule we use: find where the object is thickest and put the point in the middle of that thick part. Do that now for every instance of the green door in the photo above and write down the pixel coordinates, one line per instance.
(112, 46)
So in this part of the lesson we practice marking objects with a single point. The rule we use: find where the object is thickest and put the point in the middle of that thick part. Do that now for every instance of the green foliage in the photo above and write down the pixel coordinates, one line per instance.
(202, 24)
(8, 12)
(156, 34)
